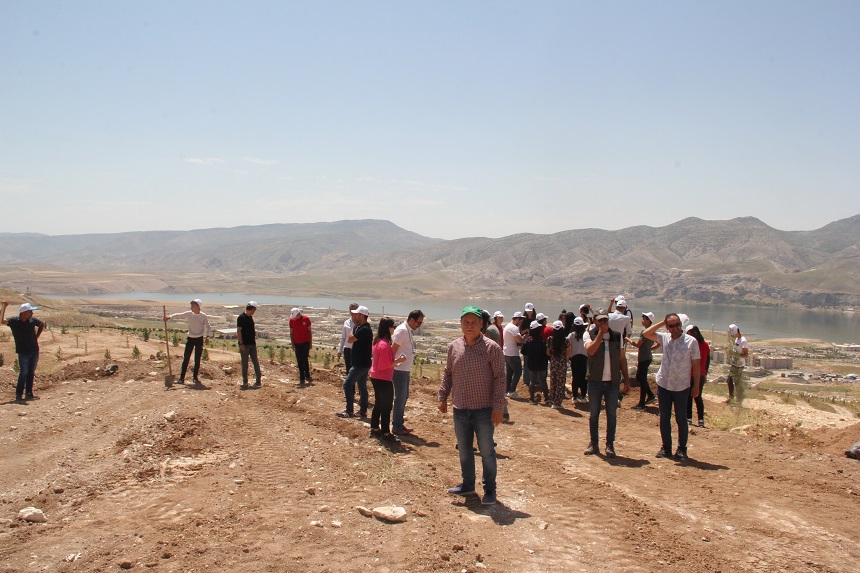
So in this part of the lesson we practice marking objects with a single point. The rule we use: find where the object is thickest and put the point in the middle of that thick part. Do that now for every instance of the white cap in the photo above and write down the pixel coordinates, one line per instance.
(733, 328)
(498, 314)
(582, 306)
(529, 307)
(198, 302)
(689, 327)
(362, 310)
(518, 314)
(578, 321)
(619, 301)
(557, 325)
(295, 312)
(649, 316)
(27, 307)
(253, 303)
(684, 319)
(535, 324)
(540, 316)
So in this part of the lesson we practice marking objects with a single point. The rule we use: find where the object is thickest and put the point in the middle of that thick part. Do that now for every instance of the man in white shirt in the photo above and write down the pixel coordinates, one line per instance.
(403, 345)
(344, 348)
(680, 360)
(511, 347)
(198, 335)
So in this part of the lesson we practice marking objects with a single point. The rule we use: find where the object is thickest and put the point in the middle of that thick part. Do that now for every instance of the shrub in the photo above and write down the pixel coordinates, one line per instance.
(107, 354)
(205, 356)
(135, 352)
(175, 339)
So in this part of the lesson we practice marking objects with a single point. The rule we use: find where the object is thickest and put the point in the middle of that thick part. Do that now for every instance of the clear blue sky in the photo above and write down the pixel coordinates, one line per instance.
(450, 119)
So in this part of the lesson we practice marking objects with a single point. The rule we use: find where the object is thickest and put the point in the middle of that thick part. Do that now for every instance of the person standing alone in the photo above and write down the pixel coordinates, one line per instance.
(246, 334)
(26, 330)
(198, 335)
(474, 378)
(301, 337)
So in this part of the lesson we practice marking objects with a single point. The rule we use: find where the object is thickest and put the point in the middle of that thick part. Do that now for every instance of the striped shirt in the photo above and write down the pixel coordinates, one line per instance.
(474, 376)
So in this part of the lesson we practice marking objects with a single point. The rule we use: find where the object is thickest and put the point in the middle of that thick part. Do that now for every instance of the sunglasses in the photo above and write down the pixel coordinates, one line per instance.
(673, 325)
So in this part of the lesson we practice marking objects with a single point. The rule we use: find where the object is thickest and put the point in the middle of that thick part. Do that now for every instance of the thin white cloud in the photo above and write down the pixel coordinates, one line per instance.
(260, 161)
(203, 160)
(18, 187)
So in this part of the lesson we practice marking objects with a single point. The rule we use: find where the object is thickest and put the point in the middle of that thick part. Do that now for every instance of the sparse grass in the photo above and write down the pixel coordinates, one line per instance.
(391, 469)
(821, 405)
(734, 417)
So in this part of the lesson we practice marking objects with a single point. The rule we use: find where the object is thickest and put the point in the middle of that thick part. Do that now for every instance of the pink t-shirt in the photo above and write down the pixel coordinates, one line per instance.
(382, 367)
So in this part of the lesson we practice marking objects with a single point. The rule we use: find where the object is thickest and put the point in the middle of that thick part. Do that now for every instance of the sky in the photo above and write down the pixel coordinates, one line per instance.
(450, 119)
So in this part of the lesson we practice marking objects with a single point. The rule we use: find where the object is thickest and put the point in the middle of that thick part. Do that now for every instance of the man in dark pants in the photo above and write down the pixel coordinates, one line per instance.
(198, 335)
(301, 338)
(603, 347)
(247, 335)
(680, 358)
(344, 348)
(362, 358)
(26, 330)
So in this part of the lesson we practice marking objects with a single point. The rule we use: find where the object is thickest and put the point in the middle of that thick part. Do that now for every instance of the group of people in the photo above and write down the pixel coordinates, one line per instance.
(483, 369)
(386, 358)
(485, 365)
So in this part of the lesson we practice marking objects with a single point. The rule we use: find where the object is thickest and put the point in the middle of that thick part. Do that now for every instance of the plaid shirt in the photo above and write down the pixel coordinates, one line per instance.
(474, 375)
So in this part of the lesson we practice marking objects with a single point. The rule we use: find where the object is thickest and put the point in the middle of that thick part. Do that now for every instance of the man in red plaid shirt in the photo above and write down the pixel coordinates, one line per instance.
(474, 377)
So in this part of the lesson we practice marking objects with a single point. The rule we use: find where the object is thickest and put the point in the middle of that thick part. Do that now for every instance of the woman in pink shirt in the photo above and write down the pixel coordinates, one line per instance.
(381, 375)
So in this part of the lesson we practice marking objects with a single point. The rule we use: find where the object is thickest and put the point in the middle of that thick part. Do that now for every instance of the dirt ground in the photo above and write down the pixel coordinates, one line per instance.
(269, 480)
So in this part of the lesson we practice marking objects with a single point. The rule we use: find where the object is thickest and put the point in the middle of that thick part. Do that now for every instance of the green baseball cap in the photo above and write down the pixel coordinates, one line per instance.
(472, 310)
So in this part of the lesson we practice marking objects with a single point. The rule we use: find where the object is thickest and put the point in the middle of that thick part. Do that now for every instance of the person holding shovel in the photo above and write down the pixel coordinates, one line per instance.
(26, 329)
(198, 334)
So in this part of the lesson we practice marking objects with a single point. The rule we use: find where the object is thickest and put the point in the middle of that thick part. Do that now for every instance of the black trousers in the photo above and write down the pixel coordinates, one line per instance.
(303, 350)
(195, 344)
(383, 400)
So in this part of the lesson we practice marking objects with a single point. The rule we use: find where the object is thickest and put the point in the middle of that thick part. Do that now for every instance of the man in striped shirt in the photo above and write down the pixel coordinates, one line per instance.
(474, 378)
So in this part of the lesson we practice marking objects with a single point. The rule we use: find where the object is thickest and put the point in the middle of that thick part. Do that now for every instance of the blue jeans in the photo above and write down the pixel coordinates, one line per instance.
(401, 394)
(513, 371)
(356, 374)
(467, 425)
(28, 362)
(667, 398)
(596, 392)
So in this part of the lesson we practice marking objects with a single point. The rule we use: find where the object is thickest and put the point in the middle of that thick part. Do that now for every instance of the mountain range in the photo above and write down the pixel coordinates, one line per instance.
(741, 261)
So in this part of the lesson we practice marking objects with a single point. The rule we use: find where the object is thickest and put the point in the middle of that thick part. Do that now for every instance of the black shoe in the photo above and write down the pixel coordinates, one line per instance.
(610, 451)
(681, 454)
(701, 423)
(651, 400)
(638, 407)
(32, 396)
(375, 432)
(19, 400)
(197, 382)
(489, 498)
(461, 490)
(345, 414)
(181, 381)
(362, 413)
(256, 385)
(391, 438)
(244, 386)
(591, 449)
(662, 453)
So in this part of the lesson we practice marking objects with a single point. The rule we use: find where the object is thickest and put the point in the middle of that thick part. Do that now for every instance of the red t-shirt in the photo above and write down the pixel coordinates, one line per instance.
(301, 329)
(547, 332)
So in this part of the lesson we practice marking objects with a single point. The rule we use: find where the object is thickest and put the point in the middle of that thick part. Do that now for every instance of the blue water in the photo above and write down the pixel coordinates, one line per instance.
(754, 322)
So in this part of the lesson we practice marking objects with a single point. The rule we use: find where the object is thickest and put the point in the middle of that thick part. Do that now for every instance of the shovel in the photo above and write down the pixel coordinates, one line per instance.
(168, 380)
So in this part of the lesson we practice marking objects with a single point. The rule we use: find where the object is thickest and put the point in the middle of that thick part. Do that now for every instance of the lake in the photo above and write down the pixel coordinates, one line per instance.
(754, 322)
